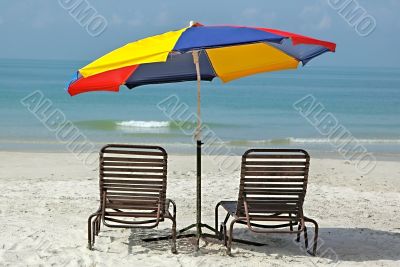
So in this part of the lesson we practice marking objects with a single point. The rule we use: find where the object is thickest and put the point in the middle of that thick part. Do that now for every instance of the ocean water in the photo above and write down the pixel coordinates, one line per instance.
(251, 112)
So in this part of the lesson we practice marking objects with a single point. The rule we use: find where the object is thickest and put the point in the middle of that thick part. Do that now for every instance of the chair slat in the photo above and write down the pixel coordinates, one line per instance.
(256, 191)
(137, 206)
(275, 163)
(272, 180)
(131, 214)
(255, 156)
(143, 176)
(277, 169)
(247, 173)
(264, 210)
(131, 199)
(124, 194)
(132, 189)
(131, 181)
(132, 164)
(132, 152)
(271, 199)
(133, 186)
(273, 218)
(146, 170)
(125, 159)
(264, 186)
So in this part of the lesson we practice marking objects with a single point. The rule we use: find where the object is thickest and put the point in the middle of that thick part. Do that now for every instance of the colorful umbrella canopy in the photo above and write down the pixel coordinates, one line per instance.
(227, 52)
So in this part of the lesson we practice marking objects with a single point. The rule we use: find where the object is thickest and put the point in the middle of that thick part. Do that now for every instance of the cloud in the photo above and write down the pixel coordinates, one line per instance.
(136, 20)
(250, 12)
(269, 17)
(325, 23)
(256, 16)
(162, 17)
(30, 14)
(40, 22)
(115, 20)
(315, 18)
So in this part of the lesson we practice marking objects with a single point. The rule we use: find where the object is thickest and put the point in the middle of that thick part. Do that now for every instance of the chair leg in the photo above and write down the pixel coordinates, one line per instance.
(221, 234)
(223, 229)
(291, 225)
(89, 234)
(315, 241)
(95, 226)
(305, 237)
(229, 245)
(218, 234)
(173, 245)
(298, 234)
(94, 231)
(91, 230)
(225, 222)
(98, 225)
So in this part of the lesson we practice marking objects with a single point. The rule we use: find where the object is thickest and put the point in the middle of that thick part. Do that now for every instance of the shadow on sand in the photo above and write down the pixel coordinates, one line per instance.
(335, 244)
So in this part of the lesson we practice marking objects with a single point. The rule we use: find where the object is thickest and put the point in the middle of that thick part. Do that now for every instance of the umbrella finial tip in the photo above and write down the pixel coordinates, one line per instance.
(193, 23)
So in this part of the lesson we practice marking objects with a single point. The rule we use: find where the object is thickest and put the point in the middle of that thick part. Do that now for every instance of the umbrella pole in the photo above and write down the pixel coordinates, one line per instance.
(198, 150)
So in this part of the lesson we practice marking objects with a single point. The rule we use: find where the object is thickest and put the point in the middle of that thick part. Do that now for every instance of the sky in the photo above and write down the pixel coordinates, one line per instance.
(45, 29)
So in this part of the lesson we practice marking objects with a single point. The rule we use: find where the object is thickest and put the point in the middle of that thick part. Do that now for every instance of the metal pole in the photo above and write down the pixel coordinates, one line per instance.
(198, 150)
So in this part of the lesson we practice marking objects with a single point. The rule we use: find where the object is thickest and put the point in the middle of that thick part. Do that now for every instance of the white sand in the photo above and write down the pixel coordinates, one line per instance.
(46, 198)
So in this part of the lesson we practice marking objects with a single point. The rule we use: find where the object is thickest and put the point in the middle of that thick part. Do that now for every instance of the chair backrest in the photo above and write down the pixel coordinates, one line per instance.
(132, 174)
(273, 181)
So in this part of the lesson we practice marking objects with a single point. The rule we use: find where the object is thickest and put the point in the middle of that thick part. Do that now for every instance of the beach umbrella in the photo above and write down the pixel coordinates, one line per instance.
(198, 52)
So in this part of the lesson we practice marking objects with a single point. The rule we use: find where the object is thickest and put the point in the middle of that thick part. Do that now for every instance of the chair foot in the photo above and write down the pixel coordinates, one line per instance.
(305, 237)
(173, 230)
(197, 244)
(229, 244)
(218, 234)
(298, 234)
(221, 232)
(315, 240)
(222, 229)
(174, 251)
(223, 226)
(98, 225)
(173, 246)
(92, 229)
(311, 253)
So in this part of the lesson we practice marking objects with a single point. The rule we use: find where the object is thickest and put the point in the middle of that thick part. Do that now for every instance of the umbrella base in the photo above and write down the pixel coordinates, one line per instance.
(200, 235)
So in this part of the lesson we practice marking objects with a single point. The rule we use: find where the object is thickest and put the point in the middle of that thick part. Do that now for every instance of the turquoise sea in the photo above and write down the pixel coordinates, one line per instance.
(252, 112)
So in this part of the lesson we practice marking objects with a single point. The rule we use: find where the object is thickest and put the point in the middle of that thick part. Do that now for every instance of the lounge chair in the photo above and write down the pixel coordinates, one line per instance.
(273, 185)
(133, 182)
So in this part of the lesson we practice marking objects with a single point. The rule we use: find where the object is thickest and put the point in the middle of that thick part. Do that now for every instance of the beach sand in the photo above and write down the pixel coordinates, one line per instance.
(46, 198)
